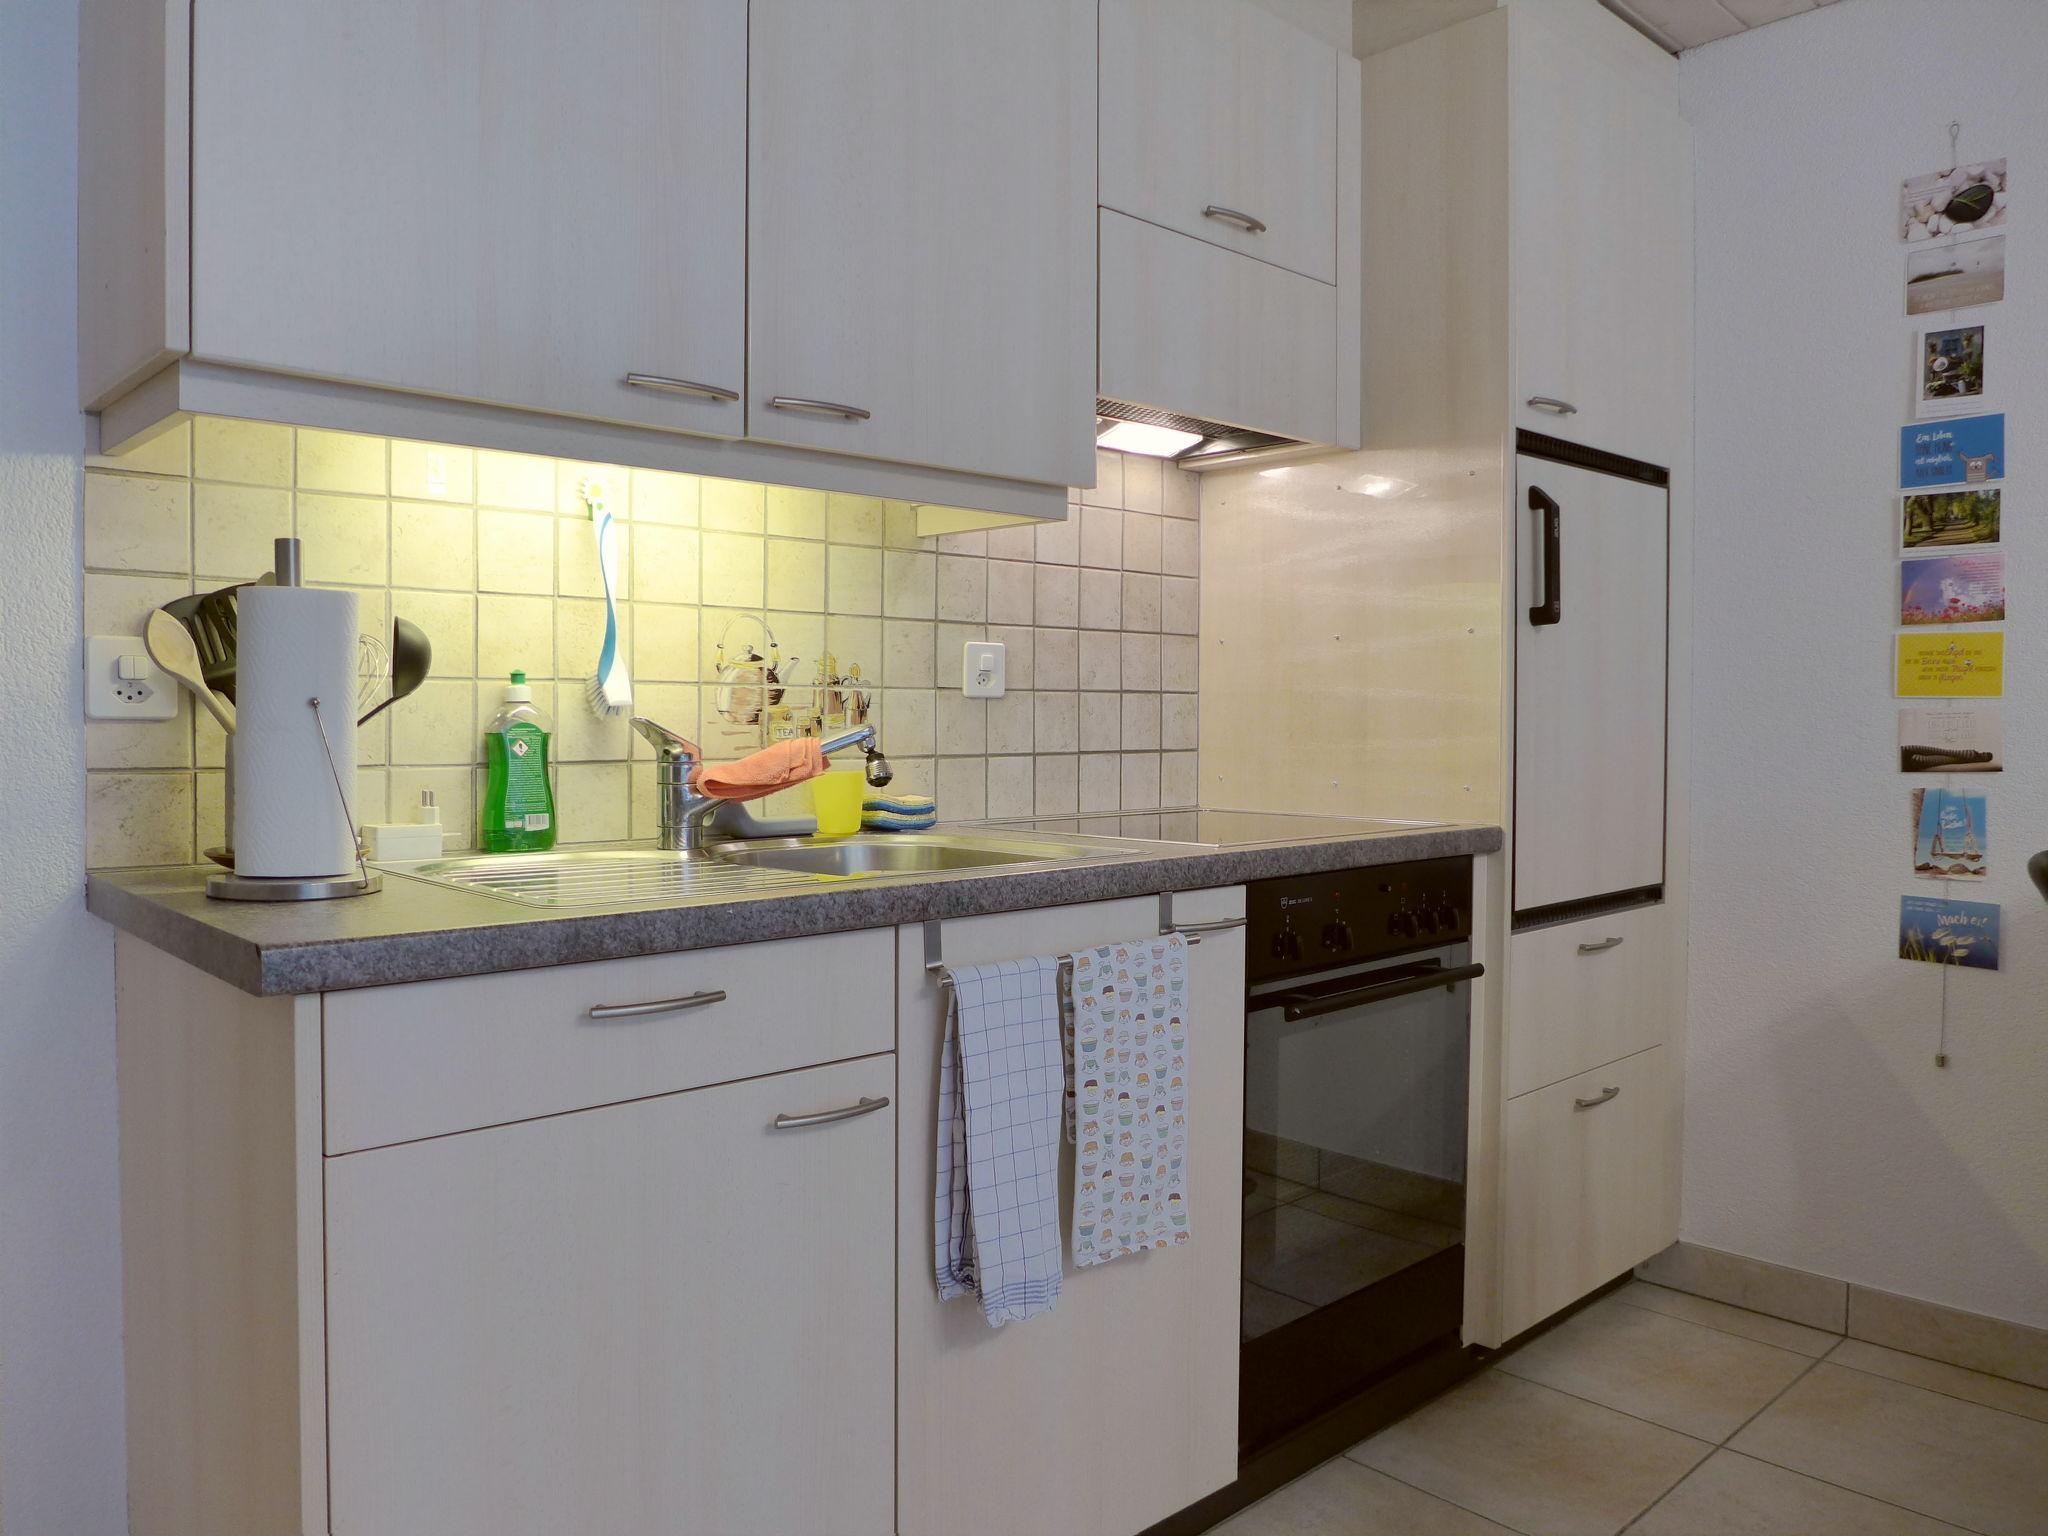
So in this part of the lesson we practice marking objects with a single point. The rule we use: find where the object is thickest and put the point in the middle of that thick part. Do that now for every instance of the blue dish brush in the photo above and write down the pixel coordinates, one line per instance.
(610, 689)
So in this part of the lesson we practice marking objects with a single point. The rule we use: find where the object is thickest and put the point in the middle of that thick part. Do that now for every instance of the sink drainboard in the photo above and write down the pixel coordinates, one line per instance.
(590, 880)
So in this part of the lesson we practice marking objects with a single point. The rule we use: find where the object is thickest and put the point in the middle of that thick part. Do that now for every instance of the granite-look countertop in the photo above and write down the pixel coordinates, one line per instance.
(412, 930)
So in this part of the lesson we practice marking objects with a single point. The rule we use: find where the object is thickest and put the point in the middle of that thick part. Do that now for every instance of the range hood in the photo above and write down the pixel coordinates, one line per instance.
(1215, 444)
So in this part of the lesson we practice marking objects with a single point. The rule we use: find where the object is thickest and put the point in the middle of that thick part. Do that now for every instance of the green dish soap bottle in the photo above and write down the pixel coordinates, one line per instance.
(519, 804)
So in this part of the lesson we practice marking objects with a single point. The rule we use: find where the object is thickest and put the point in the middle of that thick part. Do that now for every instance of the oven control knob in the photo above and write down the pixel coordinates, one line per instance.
(1402, 925)
(1286, 945)
(1447, 918)
(1429, 919)
(1337, 936)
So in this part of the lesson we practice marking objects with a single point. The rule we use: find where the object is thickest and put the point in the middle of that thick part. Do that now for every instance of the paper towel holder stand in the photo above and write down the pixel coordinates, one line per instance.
(362, 881)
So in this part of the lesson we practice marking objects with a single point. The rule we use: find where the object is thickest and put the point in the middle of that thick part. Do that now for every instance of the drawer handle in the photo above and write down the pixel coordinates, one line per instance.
(1243, 221)
(1553, 405)
(681, 386)
(1192, 931)
(658, 1005)
(818, 407)
(1595, 1102)
(1599, 946)
(827, 1116)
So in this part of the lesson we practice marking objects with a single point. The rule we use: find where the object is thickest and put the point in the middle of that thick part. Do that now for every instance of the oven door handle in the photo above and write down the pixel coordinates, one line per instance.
(1297, 1006)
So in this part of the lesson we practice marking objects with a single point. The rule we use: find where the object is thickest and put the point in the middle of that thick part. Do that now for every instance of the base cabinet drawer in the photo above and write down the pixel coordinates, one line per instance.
(1583, 993)
(1591, 1183)
(440, 1056)
(664, 1316)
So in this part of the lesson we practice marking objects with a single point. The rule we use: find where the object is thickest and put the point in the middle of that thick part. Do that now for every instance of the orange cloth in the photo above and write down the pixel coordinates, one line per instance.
(781, 766)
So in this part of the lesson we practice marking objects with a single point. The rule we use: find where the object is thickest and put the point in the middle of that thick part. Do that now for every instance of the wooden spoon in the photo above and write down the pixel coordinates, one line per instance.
(170, 646)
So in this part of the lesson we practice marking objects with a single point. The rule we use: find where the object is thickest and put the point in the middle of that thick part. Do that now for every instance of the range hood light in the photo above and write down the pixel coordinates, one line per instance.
(1143, 437)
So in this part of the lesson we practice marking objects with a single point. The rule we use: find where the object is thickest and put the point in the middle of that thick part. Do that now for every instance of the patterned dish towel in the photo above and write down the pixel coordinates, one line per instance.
(1130, 1071)
(996, 1222)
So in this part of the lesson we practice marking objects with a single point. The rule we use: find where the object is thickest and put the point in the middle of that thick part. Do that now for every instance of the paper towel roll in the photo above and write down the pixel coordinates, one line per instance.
(294, 644)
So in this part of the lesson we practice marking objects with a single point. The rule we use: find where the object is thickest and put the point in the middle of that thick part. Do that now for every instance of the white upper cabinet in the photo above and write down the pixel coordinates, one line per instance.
(1220, 120)
(921, 232)
(1601, 235)
(513, 204)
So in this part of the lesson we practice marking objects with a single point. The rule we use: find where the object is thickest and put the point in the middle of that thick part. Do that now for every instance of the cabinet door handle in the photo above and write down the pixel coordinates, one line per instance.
(1243, 221)
(1597, 1100)
(657, 1005)
(828, 1116)
(1550, 610)
(1553, 405)
(818, 407)
(681, 386)
(1599, 946)
(1192, 931)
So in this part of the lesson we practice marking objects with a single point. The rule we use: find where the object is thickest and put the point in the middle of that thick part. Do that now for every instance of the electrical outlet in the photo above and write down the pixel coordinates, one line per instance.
(982, 669)
(122, 683)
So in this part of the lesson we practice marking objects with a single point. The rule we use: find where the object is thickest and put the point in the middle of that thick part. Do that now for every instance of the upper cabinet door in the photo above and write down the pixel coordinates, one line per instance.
(520, 204)
(1601, 236)
(922, 233)
(1220, 120)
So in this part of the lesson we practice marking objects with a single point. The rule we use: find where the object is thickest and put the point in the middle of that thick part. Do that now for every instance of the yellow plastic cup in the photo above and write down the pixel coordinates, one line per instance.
(836, 800)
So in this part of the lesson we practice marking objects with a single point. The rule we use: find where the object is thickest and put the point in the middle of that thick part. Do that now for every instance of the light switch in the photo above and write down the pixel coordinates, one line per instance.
(122, 683)
(982, 670)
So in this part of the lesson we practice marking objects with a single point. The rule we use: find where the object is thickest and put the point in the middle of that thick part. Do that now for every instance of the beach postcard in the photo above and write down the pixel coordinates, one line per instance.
(1951, 840)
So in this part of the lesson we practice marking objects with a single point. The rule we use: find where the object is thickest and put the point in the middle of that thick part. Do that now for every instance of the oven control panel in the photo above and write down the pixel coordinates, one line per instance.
(1306, 923)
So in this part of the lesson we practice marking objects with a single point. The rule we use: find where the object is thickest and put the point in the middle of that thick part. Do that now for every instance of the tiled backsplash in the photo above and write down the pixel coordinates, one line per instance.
(493, 555)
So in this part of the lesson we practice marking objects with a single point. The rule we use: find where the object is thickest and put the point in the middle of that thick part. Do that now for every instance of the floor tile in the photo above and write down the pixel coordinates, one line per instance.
(1938, 1376)
(1671, 1372)
(1315, 1259)
(1532, 1459)
(1266, 1310)
(1732, 1495)
(1738, 1320)
(1392, 1189)
(1956, 1461)
(1431, 1234)
(1341, 1498)
(1263, 1191)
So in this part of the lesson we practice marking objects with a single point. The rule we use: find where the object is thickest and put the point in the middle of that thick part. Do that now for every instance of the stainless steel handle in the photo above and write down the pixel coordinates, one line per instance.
(1192, 931)
(1243, 221)
(1594, 1103)
(680, 386)
(827, 1116)
(658, 1005)
(821, 407)
(1600, 945)
(1553, 405)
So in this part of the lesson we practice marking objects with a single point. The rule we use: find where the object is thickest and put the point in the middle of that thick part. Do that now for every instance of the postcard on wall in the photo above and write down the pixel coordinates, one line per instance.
(1967, 451)
(1942, 932)
(1950, 838)
(1965, 200)
(1943, 277)
(1931, 520)
(1970, 738)
(1952, 666)
(1950, 370)
(1952, 589)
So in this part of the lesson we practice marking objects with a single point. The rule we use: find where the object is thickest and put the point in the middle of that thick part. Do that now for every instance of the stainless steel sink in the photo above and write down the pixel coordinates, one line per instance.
(896, 853)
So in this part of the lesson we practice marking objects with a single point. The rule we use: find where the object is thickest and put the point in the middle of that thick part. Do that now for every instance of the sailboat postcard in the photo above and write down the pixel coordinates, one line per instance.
(1950, 840)
(1963, 738)
(1952, 589)
(1942, 932)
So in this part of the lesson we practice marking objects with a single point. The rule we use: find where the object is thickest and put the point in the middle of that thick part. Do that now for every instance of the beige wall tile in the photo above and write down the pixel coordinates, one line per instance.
(854, 580)
(1018, 541)
(515, 552)
(522, 482)
(1101, 600)
(1055, 657)
(591, 802)
(1140, 773)
(579, 636)
(142, 743)
(1018, 650)
(1179, 779)
(1055, 786)
(1057, 722)
(1180, 547)
(244, 452)
(514, 634)
(169, 452)
(1139, 730)
(1056, 596)
(210, 812)
(1011, 785)
(1059, 543)
(1010, 723)
(734, 569)
(577, 573)
(138, 818)
(910, 584)
(611, 482)
(853, 519)
(908, 650)
(432, 471)
(1141, 603)
(1182, 493)
(856, 638)
(1142, 539)
(235, 528)
(436, 725)
(433, 545)
(734, 506)
(664, 643)
(1144, 484)
(1101, 659)
(899, 527)
(795, 513)
(342, 461)
(1102, 537)
(666, 567)
(971, 543)
(660, 496)
(1177, 722)
(448, 619)
(963, 588)
(1101, 781)
(909, 724)
(1108, 489)
(796, 575)
(1178, 668)
(1010, 585)
(582, 735)
(344, 539)
(1180, 606)
(118, 605)
(675, 705)
(1140, 663)
(962, 792)
(454, 794)
(963, 725)
(137, 522)
(1101, 722)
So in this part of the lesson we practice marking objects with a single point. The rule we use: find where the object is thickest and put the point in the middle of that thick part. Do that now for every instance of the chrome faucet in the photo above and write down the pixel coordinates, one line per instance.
(684, 809)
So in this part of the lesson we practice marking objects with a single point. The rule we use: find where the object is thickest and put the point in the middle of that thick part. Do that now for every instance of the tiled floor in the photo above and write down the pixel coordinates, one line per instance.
(1662, 1414)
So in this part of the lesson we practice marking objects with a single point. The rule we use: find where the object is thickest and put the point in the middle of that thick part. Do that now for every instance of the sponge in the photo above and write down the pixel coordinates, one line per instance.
(898, 813)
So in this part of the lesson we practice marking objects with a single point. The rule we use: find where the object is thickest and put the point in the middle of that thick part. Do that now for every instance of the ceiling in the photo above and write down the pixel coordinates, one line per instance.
(1672, 24)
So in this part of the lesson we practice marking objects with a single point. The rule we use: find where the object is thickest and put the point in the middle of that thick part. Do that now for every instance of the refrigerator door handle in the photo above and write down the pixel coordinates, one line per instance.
(1551, 608)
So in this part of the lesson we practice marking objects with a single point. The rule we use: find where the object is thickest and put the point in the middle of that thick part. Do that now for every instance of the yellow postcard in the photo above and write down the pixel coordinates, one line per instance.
(1965, 666)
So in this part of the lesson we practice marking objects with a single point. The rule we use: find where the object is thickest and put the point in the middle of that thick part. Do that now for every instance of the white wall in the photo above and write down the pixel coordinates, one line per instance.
(60, 1301)
(1818, 1132)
